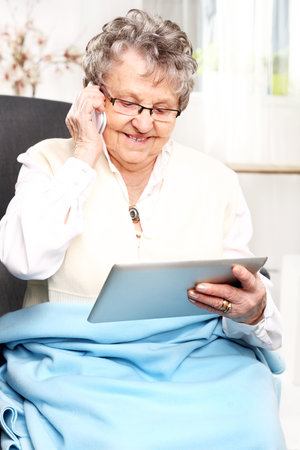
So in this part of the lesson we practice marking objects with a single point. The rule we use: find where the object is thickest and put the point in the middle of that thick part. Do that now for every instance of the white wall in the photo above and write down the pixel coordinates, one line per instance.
(274, 203)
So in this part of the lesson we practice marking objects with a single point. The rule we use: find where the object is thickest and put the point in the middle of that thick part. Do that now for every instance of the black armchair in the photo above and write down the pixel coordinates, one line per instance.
(23, 122)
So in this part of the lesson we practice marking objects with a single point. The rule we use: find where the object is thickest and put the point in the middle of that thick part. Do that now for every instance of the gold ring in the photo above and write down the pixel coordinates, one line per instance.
(226, 307)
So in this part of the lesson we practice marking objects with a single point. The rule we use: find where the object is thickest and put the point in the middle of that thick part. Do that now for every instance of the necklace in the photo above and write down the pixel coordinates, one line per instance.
(134, 214)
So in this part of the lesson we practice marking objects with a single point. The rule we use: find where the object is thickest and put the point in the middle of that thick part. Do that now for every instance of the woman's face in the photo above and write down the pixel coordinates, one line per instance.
(134, 142)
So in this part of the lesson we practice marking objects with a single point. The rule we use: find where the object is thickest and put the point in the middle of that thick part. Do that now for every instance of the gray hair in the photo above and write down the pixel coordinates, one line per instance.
(165, 47)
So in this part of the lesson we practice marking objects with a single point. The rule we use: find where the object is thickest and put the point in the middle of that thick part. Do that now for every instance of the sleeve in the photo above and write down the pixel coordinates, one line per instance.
(44, 217)
(268, 332)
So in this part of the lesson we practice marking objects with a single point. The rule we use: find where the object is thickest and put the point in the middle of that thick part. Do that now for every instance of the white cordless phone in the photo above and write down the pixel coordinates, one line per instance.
(98, 118)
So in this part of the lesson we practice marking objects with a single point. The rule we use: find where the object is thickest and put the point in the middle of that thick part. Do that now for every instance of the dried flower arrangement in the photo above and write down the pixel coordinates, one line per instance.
(23, 54)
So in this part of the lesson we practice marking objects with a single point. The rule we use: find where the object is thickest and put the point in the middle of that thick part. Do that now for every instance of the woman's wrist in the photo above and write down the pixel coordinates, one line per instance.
(87, 153)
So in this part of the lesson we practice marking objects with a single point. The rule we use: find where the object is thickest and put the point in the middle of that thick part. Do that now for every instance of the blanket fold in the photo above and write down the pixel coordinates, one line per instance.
(175, 383)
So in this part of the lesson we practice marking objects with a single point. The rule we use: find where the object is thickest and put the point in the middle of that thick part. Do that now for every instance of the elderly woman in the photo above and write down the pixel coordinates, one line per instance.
(131, 193)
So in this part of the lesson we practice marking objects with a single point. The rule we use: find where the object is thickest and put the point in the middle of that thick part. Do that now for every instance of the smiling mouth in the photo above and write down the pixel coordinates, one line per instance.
(136, 139)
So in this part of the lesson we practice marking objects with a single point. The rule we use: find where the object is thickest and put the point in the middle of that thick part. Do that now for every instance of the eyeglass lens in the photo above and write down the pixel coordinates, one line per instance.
(132, 109)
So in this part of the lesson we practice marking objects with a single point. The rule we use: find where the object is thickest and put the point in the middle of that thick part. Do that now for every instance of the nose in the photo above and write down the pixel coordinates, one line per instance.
(143, 122)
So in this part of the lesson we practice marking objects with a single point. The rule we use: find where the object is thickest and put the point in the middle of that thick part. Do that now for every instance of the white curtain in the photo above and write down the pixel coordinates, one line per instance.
(235, 79)
(249, 80)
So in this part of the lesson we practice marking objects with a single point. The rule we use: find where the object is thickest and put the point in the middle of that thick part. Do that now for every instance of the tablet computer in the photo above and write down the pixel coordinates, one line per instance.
(159, 290)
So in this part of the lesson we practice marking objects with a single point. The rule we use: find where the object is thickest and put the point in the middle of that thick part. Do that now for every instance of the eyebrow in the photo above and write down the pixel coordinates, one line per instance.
(124, 95)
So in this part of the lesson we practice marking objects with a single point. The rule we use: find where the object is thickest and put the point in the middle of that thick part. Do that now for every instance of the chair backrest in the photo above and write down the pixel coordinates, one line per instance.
(24, 121)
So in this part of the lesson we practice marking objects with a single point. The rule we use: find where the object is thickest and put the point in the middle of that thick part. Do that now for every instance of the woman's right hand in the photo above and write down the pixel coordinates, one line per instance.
(88, 142)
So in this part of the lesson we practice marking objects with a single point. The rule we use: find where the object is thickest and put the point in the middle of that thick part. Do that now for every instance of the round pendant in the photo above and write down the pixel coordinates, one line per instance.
(134, 214)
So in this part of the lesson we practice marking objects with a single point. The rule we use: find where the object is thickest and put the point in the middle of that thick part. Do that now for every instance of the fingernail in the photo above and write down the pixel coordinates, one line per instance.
(192, 294)
(201, 287)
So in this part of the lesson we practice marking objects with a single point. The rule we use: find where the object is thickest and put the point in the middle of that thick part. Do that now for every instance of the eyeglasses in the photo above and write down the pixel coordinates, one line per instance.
(133, 109)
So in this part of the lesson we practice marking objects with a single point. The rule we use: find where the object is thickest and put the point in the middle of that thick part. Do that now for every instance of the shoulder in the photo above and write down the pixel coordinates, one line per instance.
(51, 153)
(203, 183)
(191, 162)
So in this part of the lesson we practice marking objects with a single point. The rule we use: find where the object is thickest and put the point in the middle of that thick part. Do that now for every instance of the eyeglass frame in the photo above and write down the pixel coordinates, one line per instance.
(113, 99)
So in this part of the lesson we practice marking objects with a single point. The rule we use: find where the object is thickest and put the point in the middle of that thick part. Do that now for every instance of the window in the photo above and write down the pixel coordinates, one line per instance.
(250, 37)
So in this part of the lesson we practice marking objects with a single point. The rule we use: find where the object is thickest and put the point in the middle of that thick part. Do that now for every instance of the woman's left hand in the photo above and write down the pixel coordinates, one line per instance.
(247, 302)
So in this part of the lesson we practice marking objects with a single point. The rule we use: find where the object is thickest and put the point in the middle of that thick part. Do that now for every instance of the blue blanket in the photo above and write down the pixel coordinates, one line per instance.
(164, 384)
